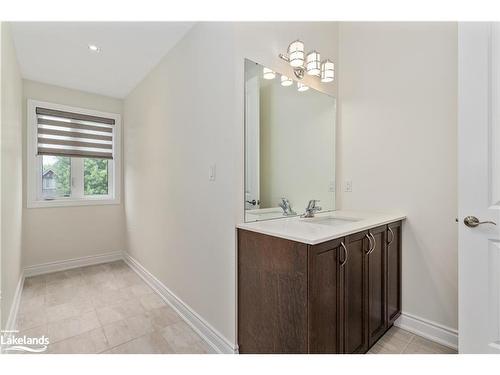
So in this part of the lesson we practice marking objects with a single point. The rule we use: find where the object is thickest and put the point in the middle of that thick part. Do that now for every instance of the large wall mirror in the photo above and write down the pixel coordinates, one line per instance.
(289, 147)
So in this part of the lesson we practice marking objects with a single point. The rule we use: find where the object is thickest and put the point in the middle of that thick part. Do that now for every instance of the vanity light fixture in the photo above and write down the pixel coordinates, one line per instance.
(301, 87)
(268, 73)
(296, 54)
(310, 64)
(94, 48)
(285, 81)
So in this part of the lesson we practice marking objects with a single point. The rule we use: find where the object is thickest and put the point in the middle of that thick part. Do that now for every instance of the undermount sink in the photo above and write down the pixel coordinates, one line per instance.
(330, 220)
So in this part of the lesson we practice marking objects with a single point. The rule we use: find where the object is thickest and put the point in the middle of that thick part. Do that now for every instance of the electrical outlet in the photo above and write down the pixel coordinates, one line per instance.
(348, 186)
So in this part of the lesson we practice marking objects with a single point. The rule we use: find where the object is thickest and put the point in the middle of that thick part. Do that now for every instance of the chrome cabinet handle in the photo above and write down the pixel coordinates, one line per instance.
(472, 221)
(345, 254)
(370, 244)
(374, 243)
(392, 236)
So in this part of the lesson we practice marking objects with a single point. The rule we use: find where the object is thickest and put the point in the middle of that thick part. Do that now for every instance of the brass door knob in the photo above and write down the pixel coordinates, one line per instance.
(472, 221)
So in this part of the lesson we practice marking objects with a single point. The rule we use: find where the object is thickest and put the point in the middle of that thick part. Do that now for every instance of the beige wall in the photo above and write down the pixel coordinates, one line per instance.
(185, 115)
(62, 233)
(11, 171)
(397, 141)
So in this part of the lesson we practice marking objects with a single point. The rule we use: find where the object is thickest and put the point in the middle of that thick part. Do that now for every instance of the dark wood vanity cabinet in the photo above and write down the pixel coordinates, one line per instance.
(393, 272)
(339, 296)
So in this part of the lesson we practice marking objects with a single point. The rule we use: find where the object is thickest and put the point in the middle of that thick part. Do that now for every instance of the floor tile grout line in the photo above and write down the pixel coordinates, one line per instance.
(133, 316)
(408, 343)
(123, 343)
(79, 334)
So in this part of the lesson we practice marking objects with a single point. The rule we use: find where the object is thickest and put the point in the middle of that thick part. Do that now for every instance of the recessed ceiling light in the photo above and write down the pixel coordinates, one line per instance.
(94, 48)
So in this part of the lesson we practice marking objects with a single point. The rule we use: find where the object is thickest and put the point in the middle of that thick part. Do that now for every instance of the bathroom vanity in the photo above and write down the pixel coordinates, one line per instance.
(324, 284)
(328, 284)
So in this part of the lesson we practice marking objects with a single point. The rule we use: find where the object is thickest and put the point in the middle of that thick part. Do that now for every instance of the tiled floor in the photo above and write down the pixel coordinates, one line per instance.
(107, 308)
(398, 341)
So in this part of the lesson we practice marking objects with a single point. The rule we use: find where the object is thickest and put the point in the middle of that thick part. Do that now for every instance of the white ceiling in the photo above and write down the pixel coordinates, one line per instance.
(57, 52)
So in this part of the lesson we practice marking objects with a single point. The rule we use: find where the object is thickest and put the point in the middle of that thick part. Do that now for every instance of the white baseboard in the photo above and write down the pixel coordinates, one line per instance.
(63, 265)
(10, 325)
(430, 330)
(217, 341)
(14, 308)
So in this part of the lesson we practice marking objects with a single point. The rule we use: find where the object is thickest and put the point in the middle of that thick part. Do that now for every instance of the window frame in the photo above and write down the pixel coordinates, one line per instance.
(78, 197)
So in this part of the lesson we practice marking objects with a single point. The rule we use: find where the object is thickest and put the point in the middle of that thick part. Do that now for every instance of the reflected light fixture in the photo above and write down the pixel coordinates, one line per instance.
(94, 48)
(313, 65)
(310, 64)
(327, 71)
(301, 87)
(268, 73)
(285, 81)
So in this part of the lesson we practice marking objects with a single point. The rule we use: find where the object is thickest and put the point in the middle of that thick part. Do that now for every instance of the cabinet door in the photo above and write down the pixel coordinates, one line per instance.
(393, 272)
(353, 284)
(324, 262)
(376, 260)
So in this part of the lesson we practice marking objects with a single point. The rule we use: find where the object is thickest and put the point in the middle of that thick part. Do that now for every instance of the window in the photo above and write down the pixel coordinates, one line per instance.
(73, 156)
(95, 176)
(56, 176)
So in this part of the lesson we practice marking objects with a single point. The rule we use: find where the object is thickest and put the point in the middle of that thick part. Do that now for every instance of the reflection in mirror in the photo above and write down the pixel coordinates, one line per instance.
(289, 146)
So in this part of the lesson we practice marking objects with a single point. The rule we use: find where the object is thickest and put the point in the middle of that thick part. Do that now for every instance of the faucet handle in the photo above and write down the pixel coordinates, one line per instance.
(286, 207)
(312, 203)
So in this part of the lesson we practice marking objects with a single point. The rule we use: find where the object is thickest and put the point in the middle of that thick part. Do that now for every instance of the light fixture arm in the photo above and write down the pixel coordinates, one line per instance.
(299, 71)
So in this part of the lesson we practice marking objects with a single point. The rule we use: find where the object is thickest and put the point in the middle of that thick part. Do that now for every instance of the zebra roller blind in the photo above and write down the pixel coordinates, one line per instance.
(71, 134)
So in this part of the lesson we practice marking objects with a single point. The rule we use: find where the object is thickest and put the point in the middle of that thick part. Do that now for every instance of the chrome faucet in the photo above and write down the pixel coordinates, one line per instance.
(311, 208)
(286, 207)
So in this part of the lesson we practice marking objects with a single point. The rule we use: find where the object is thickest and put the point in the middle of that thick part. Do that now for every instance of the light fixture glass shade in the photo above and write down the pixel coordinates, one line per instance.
(327, 71)
(301, 87)
(296, 53)
(268, 73)
(285, 81)
(313, 63)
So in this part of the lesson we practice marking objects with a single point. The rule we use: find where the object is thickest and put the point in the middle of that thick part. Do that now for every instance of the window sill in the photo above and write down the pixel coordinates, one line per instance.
(72, 202)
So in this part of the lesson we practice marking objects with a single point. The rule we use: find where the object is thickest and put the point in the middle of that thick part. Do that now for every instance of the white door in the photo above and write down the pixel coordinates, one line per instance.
(479, 187)
(252, 137)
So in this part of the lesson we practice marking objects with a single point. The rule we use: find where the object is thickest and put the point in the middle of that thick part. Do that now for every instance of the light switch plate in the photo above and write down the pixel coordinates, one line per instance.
(211, 172)
(348, 186)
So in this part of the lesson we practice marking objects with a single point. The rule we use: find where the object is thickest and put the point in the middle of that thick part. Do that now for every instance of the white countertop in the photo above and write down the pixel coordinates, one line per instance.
(310, 232)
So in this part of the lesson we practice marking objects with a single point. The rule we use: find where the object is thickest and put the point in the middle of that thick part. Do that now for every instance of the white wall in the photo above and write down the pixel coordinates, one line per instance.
(397, 141)
(179, 225)
(62, 233)
(11, 171)
(186, 114)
